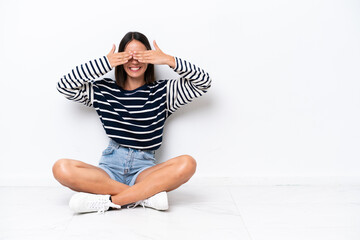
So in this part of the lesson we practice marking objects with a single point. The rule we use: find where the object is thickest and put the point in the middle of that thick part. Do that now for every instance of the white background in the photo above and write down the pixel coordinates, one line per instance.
(284, 102)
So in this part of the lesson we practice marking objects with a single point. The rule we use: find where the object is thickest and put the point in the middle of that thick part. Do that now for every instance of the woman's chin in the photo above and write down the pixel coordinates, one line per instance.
(136, 75)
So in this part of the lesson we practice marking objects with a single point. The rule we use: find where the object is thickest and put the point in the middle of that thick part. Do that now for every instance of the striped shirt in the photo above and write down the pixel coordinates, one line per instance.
(133, 118)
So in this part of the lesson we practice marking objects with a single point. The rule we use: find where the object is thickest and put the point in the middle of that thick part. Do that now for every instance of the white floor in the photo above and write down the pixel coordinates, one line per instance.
(197, 211)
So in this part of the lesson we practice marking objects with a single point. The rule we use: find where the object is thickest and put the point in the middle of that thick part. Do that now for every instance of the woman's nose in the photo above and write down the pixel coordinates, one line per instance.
(133, 60)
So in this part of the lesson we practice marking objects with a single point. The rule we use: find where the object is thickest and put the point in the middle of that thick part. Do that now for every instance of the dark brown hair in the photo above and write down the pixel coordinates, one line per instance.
(120, 74)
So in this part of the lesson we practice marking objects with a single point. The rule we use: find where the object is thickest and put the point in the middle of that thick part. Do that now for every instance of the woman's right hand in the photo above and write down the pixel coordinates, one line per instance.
(118, 58)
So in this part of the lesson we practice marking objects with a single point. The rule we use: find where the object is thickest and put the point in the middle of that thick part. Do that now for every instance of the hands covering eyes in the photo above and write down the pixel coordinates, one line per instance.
(149, 56)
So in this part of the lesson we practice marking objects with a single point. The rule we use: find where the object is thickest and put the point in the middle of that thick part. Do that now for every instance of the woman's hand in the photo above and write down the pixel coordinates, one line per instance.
(154, 57)
(118, 58)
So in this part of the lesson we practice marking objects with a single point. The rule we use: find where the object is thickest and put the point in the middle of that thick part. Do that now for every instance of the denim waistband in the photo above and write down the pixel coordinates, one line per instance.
(113, 143)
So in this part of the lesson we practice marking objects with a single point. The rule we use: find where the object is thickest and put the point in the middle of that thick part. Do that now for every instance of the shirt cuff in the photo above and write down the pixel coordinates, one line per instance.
(108, 62)
(176, 64)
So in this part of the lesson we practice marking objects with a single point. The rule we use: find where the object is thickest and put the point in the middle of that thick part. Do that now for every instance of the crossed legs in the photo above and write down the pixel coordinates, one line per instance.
(166, 176)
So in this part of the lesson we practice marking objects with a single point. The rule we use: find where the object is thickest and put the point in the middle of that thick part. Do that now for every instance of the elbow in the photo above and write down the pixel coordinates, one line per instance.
(207, 84)
(59, 88)
(64, 91)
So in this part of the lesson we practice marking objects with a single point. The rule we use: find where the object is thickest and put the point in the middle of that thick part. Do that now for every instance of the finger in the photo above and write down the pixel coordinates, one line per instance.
(112, 49)
(145, 59)
(123, 59)
(117, 63)
(142, 54)
(142, 59)
(127, 56)
(120, 61)
(145, 53)
(138, 56)
(122, 55)
(131, 53)
(156, 46)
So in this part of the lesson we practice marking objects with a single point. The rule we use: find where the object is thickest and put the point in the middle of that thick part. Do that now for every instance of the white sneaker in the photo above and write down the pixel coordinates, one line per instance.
(87, 202)
(159, 202)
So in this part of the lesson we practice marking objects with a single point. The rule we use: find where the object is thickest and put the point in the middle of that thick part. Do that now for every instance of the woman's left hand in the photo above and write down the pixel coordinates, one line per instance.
(154, 57)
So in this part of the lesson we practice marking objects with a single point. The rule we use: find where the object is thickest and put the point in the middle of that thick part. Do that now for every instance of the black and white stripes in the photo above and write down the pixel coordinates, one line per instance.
(77, 85)
(193, 83)
(133, 118)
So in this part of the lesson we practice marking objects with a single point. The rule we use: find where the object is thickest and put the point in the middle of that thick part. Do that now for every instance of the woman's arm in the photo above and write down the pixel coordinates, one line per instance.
(193, 82)
(77, 85)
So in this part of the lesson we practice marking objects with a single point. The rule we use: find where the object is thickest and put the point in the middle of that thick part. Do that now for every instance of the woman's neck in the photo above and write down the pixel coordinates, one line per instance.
(133, 83)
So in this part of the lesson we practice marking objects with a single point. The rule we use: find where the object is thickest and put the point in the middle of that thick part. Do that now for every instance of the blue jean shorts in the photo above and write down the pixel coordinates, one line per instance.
(124, 164)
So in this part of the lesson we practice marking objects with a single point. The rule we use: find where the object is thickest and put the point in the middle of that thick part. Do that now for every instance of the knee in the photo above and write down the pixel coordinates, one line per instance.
(187, 167)
(61, 169)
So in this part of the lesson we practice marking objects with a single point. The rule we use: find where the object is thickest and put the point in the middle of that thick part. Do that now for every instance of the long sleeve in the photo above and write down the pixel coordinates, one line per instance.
(193, 83)
(78, 84)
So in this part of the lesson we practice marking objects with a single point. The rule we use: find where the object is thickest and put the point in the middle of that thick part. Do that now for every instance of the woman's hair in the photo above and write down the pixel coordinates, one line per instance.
(120, 74)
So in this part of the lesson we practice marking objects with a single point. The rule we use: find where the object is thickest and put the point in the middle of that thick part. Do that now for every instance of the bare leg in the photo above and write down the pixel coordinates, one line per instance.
(165, 176)
(83, 177)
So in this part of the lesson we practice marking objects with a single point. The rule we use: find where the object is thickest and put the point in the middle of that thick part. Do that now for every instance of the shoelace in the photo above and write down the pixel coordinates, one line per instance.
(99, 204)
(101, 211)
(142, 203)
(102, 205)
(107, 206)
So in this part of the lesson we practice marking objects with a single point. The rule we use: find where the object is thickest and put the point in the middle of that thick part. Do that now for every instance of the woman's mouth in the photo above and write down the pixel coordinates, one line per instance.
(134, 69)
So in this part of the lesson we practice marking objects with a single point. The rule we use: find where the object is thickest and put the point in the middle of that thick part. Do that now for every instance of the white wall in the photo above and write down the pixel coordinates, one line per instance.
(284, 101)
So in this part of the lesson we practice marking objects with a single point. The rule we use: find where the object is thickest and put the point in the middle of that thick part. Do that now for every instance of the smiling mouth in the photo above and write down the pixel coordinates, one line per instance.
(134, 69)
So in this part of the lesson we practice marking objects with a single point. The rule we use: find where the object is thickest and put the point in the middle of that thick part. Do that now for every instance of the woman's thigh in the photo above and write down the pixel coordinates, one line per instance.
(81, 176)
(181, 162)
(65, 166)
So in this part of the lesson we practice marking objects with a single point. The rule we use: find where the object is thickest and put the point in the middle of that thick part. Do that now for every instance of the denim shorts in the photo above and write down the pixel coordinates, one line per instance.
(124, 164)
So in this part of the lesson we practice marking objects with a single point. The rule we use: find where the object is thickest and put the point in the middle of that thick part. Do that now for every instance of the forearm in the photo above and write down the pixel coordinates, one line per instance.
(197, 76)
(85, 73)
(77, 84)
(171, 61)
(193, 83)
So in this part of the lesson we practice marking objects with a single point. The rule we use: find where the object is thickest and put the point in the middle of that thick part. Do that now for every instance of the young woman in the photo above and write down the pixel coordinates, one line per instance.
(133, 109)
